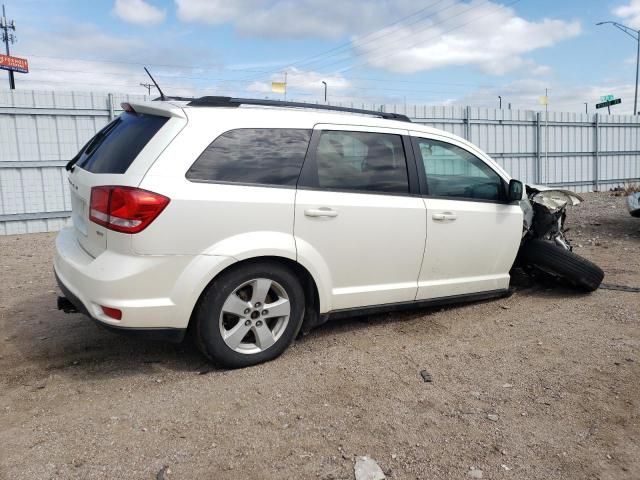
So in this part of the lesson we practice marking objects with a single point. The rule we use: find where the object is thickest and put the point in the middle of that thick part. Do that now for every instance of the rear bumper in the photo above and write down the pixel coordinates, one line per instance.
(156, 293)
(173, 335)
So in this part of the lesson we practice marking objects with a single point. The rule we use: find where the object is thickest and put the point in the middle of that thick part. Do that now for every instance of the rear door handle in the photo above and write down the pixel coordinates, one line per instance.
(444, 216)
(320, 212)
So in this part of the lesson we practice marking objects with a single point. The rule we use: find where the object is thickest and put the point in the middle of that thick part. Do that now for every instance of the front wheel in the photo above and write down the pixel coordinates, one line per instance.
(562, 263)
(249, 315)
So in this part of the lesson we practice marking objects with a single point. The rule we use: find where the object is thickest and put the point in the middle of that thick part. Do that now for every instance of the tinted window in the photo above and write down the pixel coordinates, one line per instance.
(361, 161)
(114, 148)
(454, 172)
(262, 155)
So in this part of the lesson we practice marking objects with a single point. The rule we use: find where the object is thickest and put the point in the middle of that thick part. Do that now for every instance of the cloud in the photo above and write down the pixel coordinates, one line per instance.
(629, 13)
(138, 12)
(488, 36)
(68, 63)
(444, 33)
(300, 18)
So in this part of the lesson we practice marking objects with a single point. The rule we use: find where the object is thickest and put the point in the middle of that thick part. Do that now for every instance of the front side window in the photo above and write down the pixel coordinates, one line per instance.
(266, 156)
(454, 172)
(372, 162)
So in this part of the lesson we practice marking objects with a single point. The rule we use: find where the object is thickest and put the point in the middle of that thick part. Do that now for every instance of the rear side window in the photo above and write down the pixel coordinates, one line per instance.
(253, 155)
(373, 162)
(115, 147)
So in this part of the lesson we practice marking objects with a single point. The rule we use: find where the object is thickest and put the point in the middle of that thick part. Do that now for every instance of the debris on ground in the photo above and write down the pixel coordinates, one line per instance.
(366, 468)
(426, 376)
(474, 473)
(492, 416)
(164, 473)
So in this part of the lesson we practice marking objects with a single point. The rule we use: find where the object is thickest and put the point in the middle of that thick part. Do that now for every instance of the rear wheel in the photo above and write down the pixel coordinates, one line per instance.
(562, 263)
(249, 315)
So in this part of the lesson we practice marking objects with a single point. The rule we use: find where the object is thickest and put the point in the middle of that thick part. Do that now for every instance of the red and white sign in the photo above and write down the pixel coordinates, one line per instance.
(15, 64)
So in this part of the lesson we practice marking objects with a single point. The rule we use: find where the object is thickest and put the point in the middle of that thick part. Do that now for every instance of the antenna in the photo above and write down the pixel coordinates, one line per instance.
(162, 97)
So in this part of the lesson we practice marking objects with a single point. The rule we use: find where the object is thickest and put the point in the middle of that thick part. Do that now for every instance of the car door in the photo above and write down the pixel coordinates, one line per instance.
(359, 217)
(473, 235)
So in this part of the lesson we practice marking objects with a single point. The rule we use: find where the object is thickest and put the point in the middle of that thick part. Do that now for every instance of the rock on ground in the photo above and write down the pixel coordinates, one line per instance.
(366, 468)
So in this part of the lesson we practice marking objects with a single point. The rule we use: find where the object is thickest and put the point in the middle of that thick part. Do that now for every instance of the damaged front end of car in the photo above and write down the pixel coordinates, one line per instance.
(545, 213)
(544, 247)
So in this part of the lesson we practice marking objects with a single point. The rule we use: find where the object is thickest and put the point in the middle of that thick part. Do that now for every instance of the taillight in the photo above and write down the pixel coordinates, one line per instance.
(125, 209)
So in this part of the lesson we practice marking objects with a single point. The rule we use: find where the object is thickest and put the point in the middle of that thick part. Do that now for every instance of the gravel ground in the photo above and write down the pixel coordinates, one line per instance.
(542, 385)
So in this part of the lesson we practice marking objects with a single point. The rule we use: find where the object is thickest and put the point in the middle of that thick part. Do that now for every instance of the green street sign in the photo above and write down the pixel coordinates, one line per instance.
(608, 103)
(607, 98)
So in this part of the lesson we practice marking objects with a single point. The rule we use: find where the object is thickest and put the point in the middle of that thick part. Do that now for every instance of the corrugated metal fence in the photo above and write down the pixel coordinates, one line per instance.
(40, 131)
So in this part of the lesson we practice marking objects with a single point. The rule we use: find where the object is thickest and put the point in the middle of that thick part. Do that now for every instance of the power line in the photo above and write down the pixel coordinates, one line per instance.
(231, 80)
(435, 36)
(204, 66)
(410, 33)
(189, 87)
(345, 46)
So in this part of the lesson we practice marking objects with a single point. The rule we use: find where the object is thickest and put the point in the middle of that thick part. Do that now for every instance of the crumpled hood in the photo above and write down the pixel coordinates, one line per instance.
(552, 197)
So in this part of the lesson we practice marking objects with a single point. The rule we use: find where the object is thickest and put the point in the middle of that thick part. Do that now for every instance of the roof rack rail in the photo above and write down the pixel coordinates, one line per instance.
(214, 101)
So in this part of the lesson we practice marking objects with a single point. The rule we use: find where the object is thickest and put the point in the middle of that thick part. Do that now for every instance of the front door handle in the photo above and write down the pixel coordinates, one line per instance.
(320, 212)
(444, 216)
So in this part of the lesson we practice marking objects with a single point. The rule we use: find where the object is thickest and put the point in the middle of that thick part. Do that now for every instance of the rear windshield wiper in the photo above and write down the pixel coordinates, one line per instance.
(91, 145)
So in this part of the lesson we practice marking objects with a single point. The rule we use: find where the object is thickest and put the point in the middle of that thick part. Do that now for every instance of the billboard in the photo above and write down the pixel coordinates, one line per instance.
(15, 64)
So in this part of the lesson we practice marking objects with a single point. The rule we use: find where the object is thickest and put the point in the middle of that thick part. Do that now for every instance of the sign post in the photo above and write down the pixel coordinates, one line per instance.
(607, 101)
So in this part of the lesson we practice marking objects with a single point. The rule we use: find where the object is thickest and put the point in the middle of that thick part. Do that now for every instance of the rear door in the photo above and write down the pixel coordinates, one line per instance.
(119, 154)
(473, 235)
(358, 217)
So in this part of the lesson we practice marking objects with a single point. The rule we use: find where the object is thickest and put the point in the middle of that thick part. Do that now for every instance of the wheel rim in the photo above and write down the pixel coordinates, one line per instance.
(254, 316)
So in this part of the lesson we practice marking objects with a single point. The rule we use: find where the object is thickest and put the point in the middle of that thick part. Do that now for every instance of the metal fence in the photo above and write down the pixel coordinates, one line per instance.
(40, 131)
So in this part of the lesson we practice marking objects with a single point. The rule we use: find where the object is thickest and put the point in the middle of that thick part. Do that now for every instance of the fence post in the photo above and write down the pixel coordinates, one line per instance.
(467, 123)
(538, 164)
(596, 154)
(110, 106)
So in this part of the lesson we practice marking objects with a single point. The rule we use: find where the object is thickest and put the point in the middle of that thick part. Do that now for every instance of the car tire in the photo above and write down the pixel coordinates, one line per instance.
(562, 263)
(240, 319)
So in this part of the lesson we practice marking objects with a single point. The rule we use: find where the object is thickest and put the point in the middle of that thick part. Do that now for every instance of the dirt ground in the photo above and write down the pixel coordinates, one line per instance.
(542, 385)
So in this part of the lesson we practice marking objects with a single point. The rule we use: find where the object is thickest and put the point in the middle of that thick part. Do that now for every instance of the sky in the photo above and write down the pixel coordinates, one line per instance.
(433, 52)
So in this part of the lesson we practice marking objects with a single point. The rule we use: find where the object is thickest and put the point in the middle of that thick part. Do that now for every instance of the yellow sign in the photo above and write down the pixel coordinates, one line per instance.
(544, 100)
(278, 87)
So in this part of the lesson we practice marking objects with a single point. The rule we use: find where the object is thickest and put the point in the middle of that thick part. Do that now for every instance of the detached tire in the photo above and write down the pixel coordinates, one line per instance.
(562, 263)
(249, 315)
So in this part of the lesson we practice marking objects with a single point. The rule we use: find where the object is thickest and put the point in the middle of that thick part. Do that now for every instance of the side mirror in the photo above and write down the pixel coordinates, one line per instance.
(514, 193)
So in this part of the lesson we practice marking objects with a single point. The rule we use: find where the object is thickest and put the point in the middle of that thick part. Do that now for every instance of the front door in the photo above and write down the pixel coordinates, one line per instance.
(473, 235)
(356, 217)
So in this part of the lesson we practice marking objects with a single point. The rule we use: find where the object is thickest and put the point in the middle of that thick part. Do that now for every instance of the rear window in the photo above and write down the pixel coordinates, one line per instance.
(114, 148)
(266, 156)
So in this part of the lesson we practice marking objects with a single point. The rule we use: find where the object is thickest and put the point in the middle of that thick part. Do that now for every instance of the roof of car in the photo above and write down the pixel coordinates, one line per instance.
(300, 115)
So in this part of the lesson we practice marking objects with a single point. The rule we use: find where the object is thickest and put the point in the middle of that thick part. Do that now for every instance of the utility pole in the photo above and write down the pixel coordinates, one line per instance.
(500, 100)
(635, 34)
(8, 38)
(546, 130)
(147, 86)
(325, 91)
(586, 108)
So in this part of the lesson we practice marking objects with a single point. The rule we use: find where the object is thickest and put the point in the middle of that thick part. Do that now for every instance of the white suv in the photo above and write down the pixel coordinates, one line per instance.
(250, 220)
